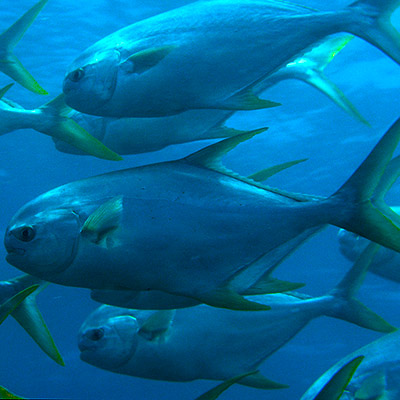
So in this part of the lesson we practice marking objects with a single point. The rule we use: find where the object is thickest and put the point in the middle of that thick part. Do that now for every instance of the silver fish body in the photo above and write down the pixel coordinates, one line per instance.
(208, 54)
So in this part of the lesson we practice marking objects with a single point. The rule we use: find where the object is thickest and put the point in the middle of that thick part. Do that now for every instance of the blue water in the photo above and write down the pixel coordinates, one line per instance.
(307, 125)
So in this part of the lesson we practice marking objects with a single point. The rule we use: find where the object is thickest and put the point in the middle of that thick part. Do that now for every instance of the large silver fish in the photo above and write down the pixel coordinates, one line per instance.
(210, 54)
(139, 135)
(202, 342)
(187, 227)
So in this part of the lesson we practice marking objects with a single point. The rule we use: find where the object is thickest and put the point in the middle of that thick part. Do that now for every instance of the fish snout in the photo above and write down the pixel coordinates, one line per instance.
(12, 244)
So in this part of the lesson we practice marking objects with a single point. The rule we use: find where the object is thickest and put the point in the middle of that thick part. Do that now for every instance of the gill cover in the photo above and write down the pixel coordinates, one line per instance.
(94, 81)
(44, 243)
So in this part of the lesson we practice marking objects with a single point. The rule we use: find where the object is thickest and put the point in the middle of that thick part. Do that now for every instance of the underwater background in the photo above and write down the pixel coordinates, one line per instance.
(307, 125)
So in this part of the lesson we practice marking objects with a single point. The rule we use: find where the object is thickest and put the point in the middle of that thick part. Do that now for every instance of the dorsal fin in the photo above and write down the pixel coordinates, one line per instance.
(266, 173)
(211, 156)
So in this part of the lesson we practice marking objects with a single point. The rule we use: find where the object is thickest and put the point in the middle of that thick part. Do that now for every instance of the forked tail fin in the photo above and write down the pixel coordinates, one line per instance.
(354, 205)
(310, 67)
(66, 129)
(29, 317)
(346, 306)
(10, 65)
(371, 21)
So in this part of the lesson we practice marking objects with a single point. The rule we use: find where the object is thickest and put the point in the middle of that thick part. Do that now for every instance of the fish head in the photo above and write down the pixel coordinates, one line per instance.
(42, 242)
(91, 80)
(108, 338)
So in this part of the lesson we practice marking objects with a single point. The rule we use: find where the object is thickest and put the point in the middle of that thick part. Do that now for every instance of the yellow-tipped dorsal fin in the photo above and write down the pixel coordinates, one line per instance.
(211, 156)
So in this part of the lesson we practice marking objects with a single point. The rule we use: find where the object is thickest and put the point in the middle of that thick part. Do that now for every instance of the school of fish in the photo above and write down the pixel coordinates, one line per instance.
(182, 254)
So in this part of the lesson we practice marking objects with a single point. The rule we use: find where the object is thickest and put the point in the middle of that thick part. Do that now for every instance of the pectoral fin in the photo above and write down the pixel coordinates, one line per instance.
(146, 59)
(157, 324)
(103, 221)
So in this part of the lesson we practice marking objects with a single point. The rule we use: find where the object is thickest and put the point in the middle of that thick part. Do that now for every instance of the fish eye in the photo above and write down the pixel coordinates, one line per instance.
(25, 233)
(96, 334)
(77, 75)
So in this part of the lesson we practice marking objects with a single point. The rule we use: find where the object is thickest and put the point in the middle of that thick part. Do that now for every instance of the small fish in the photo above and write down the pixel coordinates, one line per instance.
(202, 342)
(188, 227)
(9, 63)
(51, 119)
(211, 55)
(18, 299)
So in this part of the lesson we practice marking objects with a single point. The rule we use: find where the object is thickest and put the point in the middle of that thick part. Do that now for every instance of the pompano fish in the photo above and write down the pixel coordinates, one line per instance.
(202, 342)
(187, 227)
(19, 300)
(51, 119)
(376, 378)
(9, 63)
(210, 54)
(157, 300)
(139, 135)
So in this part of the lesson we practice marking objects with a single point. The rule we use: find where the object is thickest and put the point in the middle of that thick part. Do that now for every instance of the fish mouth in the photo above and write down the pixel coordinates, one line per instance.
(85, 346)
(15, 251)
